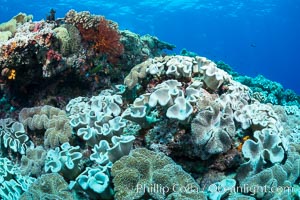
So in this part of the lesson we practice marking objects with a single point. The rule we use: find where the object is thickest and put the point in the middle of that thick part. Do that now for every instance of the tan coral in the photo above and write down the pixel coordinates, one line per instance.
(213, 130)
(213, 77)
(258, 116)
(53, 120)
(139, 71)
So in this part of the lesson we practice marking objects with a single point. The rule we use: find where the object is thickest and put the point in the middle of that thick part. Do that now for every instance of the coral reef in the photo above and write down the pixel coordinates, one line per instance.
(181, 126)
(42, 54)
(263, 89)
(139, 48)
(103, 34)
(8, 29)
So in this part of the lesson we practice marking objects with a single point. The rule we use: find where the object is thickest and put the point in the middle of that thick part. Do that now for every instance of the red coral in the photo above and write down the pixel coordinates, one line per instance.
(105, 38)
(53, 55)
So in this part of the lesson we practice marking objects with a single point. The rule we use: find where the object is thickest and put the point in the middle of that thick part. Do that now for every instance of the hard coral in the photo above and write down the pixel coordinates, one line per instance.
(105, 37)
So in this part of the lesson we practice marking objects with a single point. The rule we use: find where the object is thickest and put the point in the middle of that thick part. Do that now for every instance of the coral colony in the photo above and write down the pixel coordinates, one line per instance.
(89, 111)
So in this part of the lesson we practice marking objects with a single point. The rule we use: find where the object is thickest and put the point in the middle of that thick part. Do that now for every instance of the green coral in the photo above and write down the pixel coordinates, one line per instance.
(9, 28)
(64, 39)
(33, 162)
(134, 176)
(48, 186)
(69, 39)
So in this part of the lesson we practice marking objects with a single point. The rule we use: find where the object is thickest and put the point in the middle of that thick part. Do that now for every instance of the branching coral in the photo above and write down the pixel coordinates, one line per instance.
(108, 40)
(105, 37)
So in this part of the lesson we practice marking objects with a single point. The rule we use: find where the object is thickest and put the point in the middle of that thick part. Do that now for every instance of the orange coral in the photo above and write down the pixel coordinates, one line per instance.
(105, 38)
(8, 49)
(244, 139)
(12, 74)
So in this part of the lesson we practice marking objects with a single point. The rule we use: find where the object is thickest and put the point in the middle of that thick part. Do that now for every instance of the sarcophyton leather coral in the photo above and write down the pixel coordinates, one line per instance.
(13, 136)
(283, 176)
(213, 130)
(96, 118)
(53, 120)
(13, 184)
(94, 182)
(32, 163)
(64, 160)
(135, 176)
(48, 186)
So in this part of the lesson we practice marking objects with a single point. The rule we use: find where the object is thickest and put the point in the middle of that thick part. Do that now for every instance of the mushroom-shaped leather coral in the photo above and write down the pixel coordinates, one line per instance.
(213, 77)
(13, 136)
(135, 175)
(33, 162)
(181, 110)
(49, 118)
(180, 66)
(257, 116)
(165, 93)
(213, 129)
(48, 186)
(13, 184)
(268, 147)
(279, 176)
(65, 161)
(94, 182)
(97, 118)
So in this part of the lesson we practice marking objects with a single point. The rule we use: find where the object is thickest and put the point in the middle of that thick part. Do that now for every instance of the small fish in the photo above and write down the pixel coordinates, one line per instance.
(97, 79)
(253, 45)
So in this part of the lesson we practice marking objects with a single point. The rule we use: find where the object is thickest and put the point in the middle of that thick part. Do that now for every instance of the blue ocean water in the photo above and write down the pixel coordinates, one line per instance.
(253, 36)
